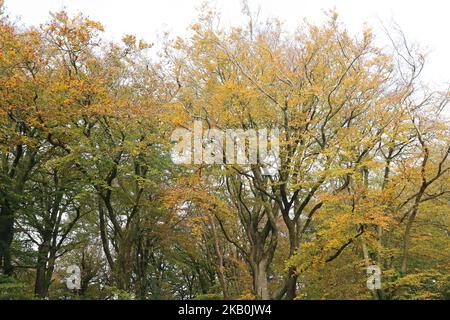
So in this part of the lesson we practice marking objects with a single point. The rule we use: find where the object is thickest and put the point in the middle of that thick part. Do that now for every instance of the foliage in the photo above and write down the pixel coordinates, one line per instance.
(86, 177)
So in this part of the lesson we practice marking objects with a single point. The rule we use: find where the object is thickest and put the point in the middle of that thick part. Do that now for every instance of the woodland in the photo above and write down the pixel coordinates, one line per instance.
(86, 176)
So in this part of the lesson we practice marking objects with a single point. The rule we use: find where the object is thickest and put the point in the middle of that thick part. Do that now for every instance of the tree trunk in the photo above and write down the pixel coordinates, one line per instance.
(260, 284)
(6, 237)
(291, 289)
(406, 242)
(40, 284)
(220, 267)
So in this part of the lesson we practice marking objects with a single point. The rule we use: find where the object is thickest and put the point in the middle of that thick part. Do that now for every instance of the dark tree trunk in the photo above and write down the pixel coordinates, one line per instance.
(41, 282)
(6, 238)
(291, 287)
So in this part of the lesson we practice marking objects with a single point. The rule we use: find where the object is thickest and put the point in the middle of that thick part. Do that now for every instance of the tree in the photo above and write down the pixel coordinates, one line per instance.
(359, 177)
(332, 96)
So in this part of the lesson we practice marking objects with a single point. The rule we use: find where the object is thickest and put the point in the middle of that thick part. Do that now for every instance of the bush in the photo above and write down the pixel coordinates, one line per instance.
(10, 289)
(209, 296)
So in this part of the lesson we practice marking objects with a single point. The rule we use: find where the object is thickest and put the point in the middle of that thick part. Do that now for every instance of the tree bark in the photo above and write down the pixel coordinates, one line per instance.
(260, 282)
(6, 237)
(220, 267)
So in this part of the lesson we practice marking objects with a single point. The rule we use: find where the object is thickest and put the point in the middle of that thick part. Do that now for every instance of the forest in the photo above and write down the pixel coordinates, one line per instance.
(88, 187)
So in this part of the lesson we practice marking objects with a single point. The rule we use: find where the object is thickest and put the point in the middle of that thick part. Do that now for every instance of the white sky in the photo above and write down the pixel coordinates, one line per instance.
(425, 22)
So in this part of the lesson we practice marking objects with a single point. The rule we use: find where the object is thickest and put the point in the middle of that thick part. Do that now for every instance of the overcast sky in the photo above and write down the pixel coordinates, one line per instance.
(425, 22)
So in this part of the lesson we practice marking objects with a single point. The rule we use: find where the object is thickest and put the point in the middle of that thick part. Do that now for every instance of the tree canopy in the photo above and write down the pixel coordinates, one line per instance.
(86, 176)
